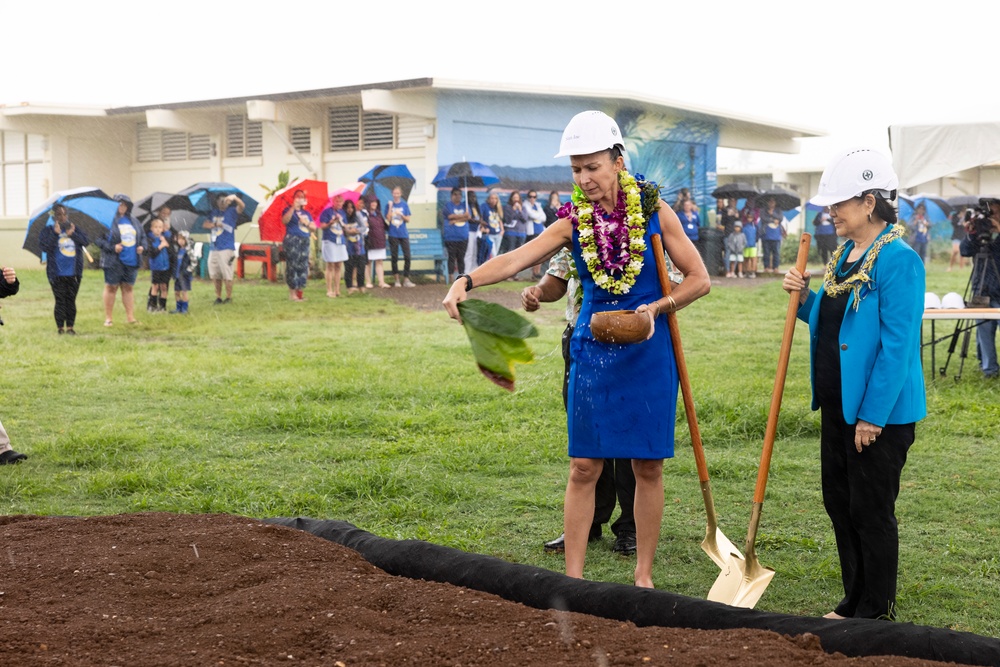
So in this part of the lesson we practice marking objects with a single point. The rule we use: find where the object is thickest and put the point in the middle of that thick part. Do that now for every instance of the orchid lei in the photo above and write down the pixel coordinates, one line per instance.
(613, 246)
(860, 279)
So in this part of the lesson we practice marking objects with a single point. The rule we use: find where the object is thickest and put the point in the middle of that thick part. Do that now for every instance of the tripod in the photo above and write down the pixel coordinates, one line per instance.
(981, 263)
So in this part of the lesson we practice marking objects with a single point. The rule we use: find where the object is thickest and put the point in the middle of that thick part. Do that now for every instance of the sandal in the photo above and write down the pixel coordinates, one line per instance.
(108, 323)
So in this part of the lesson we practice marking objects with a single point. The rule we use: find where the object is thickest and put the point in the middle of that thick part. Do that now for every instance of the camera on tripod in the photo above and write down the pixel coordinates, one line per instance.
(978, 222)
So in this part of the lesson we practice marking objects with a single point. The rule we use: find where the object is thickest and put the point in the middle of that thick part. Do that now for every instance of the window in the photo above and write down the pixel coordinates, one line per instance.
(22, 172)
(301, 139)
(243, 137)
(378, 130)
(351, 129)
(168, 145)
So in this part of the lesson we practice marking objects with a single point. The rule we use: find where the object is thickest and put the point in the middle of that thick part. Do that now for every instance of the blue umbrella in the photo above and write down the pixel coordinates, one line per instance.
(938, 210)
(90, 213)
(382, 178)
(202, 197)
(465, 175)
(905, 208)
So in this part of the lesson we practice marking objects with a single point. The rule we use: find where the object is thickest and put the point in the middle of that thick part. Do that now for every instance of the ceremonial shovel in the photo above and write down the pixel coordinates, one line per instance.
(716, 545)
(743, 580)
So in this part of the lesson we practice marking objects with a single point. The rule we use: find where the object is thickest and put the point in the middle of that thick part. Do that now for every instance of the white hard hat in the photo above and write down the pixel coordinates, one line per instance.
(931, 301)
(853, 172)
(590, 132)
(952, 300)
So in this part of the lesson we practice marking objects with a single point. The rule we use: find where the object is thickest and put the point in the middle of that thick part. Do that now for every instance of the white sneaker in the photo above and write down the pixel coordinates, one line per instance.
(408, 283)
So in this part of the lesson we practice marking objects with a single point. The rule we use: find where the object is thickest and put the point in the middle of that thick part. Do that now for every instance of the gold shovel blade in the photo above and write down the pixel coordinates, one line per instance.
(741, 582)
(719, 548)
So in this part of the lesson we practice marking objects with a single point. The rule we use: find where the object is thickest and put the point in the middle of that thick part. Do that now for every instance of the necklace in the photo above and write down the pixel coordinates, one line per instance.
(613, 245)
(863, 277)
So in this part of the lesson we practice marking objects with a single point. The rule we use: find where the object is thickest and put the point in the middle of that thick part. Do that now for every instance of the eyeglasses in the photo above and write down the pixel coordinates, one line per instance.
(532, 196)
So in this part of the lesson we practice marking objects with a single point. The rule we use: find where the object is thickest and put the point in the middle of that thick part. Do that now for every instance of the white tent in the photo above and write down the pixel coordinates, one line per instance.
(922, 153)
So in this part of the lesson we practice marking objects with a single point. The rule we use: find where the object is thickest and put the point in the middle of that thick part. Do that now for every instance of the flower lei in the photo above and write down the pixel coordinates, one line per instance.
(613, 246)
(863, 277)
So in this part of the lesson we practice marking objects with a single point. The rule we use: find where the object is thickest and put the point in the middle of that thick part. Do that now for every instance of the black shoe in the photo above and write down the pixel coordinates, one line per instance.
(70, 332)
(218, 302)
(228, 300)
(558, 545)
(624, 544)
(12, 457)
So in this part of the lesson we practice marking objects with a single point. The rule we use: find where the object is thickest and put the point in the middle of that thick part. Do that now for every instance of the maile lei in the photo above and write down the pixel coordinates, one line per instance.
(864, 275)
(613, 245)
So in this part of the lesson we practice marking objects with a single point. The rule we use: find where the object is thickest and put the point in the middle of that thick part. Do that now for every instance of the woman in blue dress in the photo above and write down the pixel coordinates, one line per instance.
(622, 398)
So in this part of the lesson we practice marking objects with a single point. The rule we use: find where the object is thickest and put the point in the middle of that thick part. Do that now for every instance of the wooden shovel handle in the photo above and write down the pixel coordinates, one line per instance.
(779, 378)
(682, 374)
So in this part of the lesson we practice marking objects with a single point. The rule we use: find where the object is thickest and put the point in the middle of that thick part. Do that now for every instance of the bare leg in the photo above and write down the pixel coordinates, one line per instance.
(648, 516)
(328, 274)
(109, 301)
(229, 289)
(218, 288)
(380, 272)
(128, 300)
(578, 511)
(338, 270)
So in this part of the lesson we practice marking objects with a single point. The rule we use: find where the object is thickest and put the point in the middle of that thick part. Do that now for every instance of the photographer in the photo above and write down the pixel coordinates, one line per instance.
(983, 229)
(8, 287)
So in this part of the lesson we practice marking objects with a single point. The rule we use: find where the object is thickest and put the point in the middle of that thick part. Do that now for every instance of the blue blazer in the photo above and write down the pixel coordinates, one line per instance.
(881, 377)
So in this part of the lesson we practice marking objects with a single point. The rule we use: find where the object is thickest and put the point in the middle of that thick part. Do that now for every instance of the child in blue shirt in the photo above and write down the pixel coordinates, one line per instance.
(183, 271)
(159, 266)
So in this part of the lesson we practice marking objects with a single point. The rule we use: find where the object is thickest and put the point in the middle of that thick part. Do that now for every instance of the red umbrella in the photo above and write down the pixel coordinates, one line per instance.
(271, 226)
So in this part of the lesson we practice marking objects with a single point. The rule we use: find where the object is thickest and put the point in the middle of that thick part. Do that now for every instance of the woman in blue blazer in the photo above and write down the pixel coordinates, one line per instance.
(867, 380)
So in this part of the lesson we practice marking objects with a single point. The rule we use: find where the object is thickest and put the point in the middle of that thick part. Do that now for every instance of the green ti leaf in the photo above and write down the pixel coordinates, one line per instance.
(497, 337)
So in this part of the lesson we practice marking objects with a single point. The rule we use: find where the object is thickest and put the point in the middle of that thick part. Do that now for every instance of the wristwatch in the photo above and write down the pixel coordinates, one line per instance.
(468, 281)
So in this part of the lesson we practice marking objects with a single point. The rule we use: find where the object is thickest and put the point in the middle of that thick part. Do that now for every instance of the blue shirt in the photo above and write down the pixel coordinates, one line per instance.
(159, 260)
(65, 256)
(224, 238)
(127, 230)
(750, 231)
(771, 222)
(691, 225)
(455, 231)
(492, 218)
(296, 226)
(824, 225)
(397, 226)
(335, 232)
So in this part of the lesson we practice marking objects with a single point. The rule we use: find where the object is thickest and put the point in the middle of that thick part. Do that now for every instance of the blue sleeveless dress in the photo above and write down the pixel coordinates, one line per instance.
(622, 398)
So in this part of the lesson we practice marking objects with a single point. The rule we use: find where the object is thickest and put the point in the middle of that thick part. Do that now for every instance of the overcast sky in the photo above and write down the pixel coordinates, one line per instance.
(850, 67)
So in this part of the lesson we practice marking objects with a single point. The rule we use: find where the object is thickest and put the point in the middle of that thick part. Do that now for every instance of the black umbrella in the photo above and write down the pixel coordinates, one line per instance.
(738, 190)
(963, 201)
(146, 207)
(783, 199)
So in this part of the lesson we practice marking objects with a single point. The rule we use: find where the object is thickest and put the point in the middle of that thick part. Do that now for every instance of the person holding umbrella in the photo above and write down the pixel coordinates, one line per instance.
(63, 245)
(622, 398)
(867, 379)
(298, 233)
(121, 250)
(397, 213)
(221, 223)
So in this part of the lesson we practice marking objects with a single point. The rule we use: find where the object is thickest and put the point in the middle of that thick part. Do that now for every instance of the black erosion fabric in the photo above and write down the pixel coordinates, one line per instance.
(545, 589)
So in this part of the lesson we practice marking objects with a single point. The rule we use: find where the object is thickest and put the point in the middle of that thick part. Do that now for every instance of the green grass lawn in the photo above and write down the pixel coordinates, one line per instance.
(364, 410)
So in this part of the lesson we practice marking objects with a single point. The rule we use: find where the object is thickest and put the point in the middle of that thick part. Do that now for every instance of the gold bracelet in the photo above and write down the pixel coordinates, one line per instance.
(671, 305)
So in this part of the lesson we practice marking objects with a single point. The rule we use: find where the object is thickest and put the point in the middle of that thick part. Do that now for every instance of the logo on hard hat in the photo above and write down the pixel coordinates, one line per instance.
(867, 174)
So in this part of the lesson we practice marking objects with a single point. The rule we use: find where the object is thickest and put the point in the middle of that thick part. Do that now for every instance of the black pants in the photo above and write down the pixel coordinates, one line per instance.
(354, 274)
(394, 246)
(64, 288)
(617, 480)
(859, 493)
(826, 244)
(456, 255)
